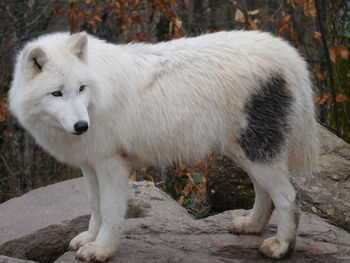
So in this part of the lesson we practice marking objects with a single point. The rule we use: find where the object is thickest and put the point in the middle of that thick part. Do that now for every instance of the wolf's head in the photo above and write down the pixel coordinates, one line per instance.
(52, 83)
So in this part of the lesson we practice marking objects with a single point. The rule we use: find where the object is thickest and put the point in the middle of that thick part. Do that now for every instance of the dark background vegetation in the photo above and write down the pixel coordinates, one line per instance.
(320, 30)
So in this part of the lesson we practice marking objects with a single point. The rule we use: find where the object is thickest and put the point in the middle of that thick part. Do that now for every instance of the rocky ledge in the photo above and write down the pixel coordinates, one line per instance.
(39, 225)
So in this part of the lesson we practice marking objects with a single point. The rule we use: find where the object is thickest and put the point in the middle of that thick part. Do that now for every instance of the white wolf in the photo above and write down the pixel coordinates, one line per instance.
(104, 107)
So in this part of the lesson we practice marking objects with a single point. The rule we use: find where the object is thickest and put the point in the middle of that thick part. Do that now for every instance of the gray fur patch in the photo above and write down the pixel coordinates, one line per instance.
(267, 112)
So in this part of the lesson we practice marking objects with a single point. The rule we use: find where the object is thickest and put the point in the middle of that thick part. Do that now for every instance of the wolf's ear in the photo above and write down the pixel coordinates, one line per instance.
(35, 60)
(78, 44)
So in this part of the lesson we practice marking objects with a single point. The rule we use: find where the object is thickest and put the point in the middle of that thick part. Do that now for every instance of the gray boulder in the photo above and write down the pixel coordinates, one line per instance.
(38, 224)
(41, 223)
(4, 259)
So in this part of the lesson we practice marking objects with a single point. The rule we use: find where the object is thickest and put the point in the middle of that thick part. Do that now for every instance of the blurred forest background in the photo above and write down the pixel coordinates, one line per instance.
(320, 30)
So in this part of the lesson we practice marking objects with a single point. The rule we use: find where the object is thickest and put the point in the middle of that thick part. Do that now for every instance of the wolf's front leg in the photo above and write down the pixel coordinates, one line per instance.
(112, 176)
(94, 201)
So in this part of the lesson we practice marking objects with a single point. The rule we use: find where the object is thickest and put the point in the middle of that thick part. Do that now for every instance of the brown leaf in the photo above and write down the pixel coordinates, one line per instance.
(97, 18)
(81, 14)
(318, 99)
(340, 97)
(253, 12)
(187, 189)
(175, 26)
(133, 176)
(305, 25)
(252, 24)
(317, 38)
(282, 28)
(284, 25)
(190, 179)
(128, 21)
(202, 189)
(92, 23)
(239, 16)
(286, 18)
(319, 75)
(149, 177)
(181, 200)
(332, 53)
(178, 23)
(182, 167)
(100, 7)
(317, 35)
(4, 110)
(343, 52)
(178, 188)
(309, 8)
(56, 9)
(292, 33)
(292, 2)
(141, 36)
(323, 98)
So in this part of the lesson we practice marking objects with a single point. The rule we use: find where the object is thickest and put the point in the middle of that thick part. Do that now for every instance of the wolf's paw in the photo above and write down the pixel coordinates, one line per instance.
(95, 252)
(244, 225)
(80, 240)
(274, 248)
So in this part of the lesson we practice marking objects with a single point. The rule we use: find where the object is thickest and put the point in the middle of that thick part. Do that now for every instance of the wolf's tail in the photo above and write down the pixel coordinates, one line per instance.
(305, 149)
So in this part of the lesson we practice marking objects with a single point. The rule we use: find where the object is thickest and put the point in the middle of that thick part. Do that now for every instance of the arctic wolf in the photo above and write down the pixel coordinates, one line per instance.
(105, 107)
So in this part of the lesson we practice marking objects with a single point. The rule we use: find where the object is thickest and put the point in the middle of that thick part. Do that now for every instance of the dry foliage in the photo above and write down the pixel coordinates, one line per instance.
(326, 98)
(339, 51)
(128, 18)
(4, 110)
(190, 188)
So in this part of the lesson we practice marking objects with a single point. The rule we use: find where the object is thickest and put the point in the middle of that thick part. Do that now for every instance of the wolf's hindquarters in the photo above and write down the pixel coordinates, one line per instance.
(280, 138)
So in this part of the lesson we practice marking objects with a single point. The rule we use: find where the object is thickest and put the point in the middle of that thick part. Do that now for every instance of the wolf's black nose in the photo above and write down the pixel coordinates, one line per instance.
(81, 127)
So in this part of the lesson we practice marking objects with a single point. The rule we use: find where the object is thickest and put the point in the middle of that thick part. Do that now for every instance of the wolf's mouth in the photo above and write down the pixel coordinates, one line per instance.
(78, 133)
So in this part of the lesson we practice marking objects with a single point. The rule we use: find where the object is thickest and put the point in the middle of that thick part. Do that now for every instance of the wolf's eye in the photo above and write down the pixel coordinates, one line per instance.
(82, 87)
(57, 93)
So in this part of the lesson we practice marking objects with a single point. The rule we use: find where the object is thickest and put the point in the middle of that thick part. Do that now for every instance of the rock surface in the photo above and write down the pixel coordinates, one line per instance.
(326, 193)
(4, 259)
(38, 224)
(159, 230)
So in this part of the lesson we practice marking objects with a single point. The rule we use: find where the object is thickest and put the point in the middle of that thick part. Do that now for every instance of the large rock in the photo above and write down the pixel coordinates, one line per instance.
(4, 259)
(160, 230)
(326, 193)
(38, 224)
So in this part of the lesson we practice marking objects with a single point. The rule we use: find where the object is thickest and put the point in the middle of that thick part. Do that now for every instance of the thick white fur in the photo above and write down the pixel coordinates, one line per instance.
(155, 104)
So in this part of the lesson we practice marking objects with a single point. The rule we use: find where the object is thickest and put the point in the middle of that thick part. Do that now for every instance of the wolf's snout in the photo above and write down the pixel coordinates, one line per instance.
(81, 127)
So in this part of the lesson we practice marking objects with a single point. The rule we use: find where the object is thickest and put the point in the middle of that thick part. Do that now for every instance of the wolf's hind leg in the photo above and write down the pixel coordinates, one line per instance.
(274, 178)
(95, 219)
(259, 216)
